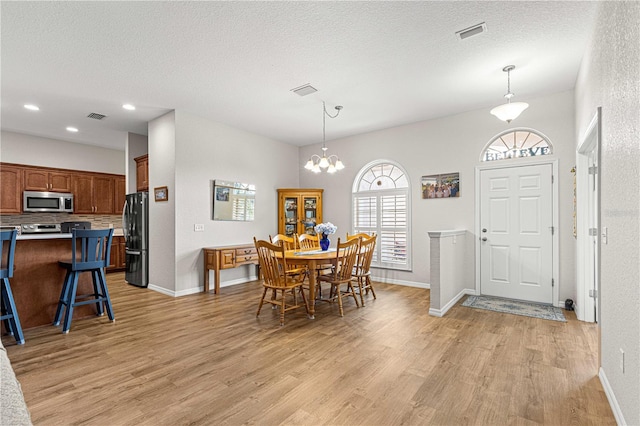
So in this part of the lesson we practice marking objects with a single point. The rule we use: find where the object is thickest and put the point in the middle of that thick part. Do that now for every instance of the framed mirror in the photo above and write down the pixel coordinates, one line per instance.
(233, 200)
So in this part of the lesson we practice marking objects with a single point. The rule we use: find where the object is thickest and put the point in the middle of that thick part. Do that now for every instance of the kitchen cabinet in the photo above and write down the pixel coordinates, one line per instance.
(117, 261)
(120, 194)
(38, 179)
(142, 173)
(93, 193)
(299, 210)
(98, 193)
(11, 185)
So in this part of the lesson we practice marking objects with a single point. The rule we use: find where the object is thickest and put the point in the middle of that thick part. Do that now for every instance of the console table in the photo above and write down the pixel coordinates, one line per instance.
(226, 257)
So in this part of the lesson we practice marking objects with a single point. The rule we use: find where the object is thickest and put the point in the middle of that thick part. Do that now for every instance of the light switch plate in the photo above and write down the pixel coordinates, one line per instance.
(198, 227)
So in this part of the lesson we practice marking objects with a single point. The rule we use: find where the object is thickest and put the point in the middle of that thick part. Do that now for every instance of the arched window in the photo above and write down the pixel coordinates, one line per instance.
(517, 143)
(381, 206)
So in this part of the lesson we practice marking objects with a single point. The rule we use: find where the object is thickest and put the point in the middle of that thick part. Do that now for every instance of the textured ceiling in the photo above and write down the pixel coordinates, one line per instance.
(388, 63)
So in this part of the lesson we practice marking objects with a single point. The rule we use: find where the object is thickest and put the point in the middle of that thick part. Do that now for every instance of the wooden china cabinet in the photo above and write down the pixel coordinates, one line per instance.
(299, 210)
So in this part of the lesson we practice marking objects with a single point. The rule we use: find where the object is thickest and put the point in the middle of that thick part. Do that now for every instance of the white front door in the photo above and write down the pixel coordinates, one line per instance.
(516, 226)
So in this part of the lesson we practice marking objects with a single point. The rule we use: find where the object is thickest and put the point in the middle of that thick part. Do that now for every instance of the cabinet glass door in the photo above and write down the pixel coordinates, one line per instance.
(310, 208)
(290, 215)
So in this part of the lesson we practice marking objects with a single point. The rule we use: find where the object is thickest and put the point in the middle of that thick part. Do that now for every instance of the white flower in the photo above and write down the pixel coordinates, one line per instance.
(325, 228)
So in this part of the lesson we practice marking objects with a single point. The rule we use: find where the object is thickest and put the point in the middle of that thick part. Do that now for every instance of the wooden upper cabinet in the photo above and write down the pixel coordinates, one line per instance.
(45, 180)
(11, 189)
(142, 172)
(82, 193)
(94, 194)
(104, 194)
(97, 193)
(120, 195)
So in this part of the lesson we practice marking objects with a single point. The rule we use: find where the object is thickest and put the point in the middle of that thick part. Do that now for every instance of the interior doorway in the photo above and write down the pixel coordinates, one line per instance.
(588, 230)
(516, 228)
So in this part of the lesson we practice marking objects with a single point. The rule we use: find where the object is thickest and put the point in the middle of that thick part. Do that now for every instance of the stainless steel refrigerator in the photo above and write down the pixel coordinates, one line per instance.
(135, 224)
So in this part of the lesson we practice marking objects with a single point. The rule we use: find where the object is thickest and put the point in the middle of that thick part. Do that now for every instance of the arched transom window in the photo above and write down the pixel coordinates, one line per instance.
(517, 144)
(381, 206)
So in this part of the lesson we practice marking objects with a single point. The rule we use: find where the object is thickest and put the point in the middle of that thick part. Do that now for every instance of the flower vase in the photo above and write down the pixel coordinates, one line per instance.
(324, 242)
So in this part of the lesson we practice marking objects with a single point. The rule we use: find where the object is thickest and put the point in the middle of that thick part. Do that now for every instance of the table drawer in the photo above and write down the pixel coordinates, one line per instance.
(246, 251)
(246, 258)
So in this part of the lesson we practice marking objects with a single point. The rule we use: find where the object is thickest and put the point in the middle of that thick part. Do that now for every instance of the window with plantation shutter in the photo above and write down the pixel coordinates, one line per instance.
(243, 205)
(381, 207)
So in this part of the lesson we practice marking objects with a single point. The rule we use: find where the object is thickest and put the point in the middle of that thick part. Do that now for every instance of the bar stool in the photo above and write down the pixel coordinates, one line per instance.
(8, 307)
(90, 249)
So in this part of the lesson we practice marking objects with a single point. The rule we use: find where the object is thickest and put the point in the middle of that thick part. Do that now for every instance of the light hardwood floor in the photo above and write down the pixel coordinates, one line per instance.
(206, 359)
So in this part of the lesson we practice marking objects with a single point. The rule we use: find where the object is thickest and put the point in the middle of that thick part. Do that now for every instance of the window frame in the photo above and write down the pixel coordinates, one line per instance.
(406, 191)
(538, 133)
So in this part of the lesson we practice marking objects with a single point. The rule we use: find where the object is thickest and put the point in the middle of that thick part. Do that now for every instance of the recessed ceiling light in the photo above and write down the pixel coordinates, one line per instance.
(129, 107)
(72, 129)
(32, 107)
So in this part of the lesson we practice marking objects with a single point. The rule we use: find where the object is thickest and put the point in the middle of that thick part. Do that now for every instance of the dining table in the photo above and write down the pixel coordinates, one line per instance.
(312, 259)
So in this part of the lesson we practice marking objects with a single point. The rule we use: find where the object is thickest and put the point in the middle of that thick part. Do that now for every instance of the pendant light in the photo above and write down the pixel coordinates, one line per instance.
(509, 111)
(328, 163)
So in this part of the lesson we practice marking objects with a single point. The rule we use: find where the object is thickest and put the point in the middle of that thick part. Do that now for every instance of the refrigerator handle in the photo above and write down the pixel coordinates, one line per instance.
(125, 224)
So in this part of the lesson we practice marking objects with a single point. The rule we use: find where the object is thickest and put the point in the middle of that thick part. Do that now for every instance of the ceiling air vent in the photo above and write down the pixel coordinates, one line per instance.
(471, 31)
(96, 116)
(304, 90)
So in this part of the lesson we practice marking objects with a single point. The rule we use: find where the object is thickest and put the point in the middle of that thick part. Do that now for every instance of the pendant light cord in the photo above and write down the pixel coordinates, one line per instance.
(324, 120)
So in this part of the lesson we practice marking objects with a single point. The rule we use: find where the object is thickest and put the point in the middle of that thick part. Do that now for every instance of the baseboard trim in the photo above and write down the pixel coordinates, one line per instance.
(200, 289)
(440, 312)
(613, 402)
(401, 282)
(161, 290)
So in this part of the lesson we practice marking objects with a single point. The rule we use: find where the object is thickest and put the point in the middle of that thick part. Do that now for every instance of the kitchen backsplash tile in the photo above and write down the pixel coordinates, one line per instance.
(97, 221)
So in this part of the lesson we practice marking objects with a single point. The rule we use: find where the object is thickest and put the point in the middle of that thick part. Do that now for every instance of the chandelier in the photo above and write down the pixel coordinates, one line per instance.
(509, 111)
(328, 163)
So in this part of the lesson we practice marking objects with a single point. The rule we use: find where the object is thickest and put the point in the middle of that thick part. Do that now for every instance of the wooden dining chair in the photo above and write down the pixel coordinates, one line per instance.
(308, 241)
(289, 243)
(274, 278)
(361, 274)
(362, 235)
(346, 254)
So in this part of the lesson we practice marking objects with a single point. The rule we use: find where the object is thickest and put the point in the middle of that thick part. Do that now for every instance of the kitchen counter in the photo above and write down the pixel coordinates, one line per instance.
(43, 237)
(37, 279)
(117, 232)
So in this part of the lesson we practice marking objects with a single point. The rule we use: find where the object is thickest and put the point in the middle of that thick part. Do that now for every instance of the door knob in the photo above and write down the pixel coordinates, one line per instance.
(484, 238)
(484, 229)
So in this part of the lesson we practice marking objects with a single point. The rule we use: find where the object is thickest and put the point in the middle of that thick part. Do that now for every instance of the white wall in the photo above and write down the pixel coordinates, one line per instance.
(162, 215)
(610, 77)
(205, 151)
(451, 275)
(450, 144)
(20, 148)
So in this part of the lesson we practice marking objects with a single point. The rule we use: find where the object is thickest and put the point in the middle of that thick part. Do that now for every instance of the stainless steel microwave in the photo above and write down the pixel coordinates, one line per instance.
(35, 201)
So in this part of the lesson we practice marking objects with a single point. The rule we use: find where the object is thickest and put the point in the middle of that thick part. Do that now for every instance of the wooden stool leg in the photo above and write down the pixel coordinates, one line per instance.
(70, 301)
(63, 298)
(10, 308)
(105, 293)
(97, 292)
